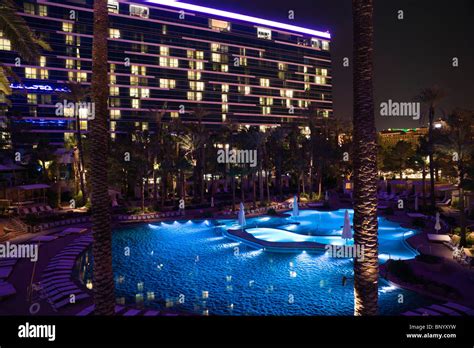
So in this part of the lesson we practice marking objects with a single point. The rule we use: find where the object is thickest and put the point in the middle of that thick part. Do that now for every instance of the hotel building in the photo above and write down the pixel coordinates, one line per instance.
(169, 56)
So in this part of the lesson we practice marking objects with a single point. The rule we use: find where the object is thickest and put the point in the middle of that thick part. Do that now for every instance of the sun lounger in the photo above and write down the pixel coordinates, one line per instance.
(444, 310)
(67, 301)
(68, 289)
(439, 238)
(426, 311)
(86, 311)
(6, 289)
(5, 272)
(131, 313)
(151, 313)
(460, 308)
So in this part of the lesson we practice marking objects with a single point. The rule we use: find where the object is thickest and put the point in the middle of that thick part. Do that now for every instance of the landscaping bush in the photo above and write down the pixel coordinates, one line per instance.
(272, 212)
(402, 270)
(419, 222)
(389, 211)
(208, 215)
(431, 259)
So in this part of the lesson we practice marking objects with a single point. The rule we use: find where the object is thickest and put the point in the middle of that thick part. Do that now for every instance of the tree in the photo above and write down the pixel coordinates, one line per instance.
(104, 297)
(398, 158)
(366, 271)
(431, 98)
(459, 144)
(22, 39)
(77, 94)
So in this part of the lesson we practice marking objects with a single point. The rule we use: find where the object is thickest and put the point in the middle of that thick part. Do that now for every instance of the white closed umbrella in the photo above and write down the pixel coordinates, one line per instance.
(242, 221)
(416, 203)
(346, 229)
(437, 223)
(296, 211)
(326, 197)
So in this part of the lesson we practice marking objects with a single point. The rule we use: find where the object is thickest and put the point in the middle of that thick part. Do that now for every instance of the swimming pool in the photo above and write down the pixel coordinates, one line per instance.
(190, 266)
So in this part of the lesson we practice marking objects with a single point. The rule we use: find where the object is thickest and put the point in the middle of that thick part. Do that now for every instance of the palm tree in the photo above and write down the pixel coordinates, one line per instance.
(104, 297)
(22, 39)
(77, 93)
(366, 271)
(459, 144)
(431, 98)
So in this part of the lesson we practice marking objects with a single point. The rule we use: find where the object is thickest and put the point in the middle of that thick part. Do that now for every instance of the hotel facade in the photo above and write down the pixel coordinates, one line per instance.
(169, 56)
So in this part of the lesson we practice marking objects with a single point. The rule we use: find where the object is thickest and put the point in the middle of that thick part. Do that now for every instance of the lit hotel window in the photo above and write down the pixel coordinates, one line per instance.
(114, 91)
(67, 27)
(216, 57)
(174, 114)
(325, 45)
(30, 73)
(215, 47)
(322, 72)
(133, 92)
(288, 93)
(167, 83)
(42, 10)
(196, 85)
(315, 43)
(32, 98)
(42, 61)
(225, 108)
(219, 25)
(139, 11)
(69, 64)
(115, 114)
(320, 80)
(225, 98)
(264, 33)
(194, 75)
(266, 110)
(244, 90)
(69, 40)
(264, 82)
(113, 6)
(224, 68)
(113, 79)
(29, 8)
(135, 103)
(44, 74)
(282, 67)
(164, 29)
(194, 96)
(5, 44)
(225, 88)
(114, 33)
(138, 70)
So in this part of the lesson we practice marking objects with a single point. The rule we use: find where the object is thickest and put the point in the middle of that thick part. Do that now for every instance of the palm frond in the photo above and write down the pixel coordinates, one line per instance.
(14, 28)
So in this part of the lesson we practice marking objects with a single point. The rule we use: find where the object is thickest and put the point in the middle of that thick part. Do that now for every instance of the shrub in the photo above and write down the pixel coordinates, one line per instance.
(389, 211)
(207, 214)
(402, 270)
(418, 222)
(272, 212)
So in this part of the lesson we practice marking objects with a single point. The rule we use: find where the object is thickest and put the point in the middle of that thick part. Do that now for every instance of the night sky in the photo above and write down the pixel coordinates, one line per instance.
(410, 54)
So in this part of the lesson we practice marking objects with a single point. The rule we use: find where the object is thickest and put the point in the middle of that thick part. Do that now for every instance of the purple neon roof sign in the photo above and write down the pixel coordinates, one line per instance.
(241, 17)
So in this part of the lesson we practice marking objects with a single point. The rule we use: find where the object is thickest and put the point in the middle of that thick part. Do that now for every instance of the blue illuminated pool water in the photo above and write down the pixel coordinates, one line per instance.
(190, 266)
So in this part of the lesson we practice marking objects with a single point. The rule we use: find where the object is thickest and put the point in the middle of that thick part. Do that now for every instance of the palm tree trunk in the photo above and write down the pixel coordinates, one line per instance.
(423, 182)
(365, 163)
(104, 297)
(462, 211)
(431, 159)
(232, 184)
(81, 160)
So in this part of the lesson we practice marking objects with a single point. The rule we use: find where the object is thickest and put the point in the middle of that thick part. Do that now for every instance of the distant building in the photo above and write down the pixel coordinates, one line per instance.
(391, 136)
